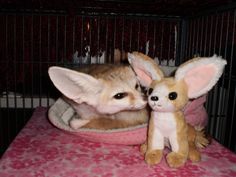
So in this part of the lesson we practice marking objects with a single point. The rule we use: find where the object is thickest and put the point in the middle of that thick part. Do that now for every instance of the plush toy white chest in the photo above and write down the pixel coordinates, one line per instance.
(164, 122)
(164, 129)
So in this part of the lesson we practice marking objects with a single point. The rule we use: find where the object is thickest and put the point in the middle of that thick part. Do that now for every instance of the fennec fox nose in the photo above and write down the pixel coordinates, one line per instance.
(154, 98)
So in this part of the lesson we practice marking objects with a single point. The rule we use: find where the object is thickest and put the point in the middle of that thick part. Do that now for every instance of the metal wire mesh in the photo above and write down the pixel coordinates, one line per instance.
(31, 42)
(205, 36)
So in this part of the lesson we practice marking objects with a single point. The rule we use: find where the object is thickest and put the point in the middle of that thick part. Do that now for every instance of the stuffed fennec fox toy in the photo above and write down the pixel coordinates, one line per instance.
(167, 98)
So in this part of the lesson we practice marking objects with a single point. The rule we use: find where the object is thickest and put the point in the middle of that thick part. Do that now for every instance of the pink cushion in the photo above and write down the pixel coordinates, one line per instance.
(42, 150)
(60, 113)
(195, 112)
(130, 136)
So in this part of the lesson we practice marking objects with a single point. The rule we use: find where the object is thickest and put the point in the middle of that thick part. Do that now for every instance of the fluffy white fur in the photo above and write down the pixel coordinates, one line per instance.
(214, 63)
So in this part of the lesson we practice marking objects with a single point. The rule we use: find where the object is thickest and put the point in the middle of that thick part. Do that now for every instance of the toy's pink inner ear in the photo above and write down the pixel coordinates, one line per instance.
(198, 79)
(144, 78)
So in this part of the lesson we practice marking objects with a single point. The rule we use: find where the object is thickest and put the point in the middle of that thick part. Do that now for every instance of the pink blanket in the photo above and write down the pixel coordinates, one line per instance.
(41, 150)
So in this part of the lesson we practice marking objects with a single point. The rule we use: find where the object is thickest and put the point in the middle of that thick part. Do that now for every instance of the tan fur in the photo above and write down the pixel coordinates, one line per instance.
(179, 87)
(179, 158)
(119, 56)
(167, 98)
(194, 155)
(94, 92)
(201, 139)
(146, 58)
(120, 120)
(174, 159)
(114, 76)
(188, 149)
(186, 135)
(196, 139)
(122, 77)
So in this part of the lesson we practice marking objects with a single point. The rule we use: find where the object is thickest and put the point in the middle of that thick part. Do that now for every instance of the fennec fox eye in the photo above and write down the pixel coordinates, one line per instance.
(173, 95)
(121, 95)
(141, 89)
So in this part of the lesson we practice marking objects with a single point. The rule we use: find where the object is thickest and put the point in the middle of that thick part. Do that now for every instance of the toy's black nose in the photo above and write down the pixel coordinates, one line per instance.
(154, 98)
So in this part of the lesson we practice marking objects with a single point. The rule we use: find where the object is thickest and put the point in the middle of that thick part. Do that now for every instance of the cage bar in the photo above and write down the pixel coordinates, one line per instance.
(32, 42)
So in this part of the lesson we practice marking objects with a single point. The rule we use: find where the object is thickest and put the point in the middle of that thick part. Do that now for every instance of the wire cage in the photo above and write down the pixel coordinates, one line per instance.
(31, 42)
(208, 34)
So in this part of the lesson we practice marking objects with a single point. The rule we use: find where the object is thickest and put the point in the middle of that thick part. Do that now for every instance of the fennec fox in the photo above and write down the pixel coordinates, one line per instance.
(105, 96)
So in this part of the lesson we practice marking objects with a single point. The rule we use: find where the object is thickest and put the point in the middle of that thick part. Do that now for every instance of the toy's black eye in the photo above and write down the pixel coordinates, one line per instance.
(150, 91)
(136, 86)
(173, 95)
(120, 95)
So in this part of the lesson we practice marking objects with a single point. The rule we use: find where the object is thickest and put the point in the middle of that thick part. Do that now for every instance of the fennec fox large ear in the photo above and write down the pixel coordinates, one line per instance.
(200, 74)
(77, 86)
(145, 68)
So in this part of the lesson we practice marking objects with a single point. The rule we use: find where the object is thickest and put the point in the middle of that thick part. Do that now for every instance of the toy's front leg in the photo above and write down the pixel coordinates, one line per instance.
(179, 154)
(155, 146)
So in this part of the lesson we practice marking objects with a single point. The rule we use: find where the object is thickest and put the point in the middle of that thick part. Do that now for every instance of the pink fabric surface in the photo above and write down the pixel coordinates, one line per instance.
(195, 112)
(41, 150)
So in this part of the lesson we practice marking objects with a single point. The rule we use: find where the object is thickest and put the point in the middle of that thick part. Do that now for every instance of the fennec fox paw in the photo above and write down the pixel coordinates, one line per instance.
(153, 157)
(175, 160)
